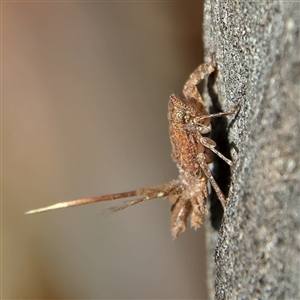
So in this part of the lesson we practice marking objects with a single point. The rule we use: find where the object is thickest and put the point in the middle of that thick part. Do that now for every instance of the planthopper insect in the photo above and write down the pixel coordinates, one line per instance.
(189, 123)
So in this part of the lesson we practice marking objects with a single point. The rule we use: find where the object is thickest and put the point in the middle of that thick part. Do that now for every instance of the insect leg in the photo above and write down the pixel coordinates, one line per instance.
(204, 167)
(226, 113)
(190, 88)
(210, 144)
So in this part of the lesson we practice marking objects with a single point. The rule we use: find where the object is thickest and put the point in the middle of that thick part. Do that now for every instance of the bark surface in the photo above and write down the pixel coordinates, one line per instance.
(256, 251)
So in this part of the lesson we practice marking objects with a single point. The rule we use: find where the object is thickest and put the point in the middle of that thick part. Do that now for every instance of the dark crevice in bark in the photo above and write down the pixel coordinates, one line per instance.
(221, 169)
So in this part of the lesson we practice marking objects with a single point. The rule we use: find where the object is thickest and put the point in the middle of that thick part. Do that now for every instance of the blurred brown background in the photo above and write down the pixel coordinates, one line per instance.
(84, 112)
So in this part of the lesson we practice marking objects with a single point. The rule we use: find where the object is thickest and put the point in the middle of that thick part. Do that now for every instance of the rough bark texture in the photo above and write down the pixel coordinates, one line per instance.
(257, 56)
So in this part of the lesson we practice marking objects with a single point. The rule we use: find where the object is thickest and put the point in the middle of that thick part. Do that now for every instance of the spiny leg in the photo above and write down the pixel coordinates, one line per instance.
(190, 88)
(204, 167)
(180, 211)
(210, 144)
(221, 114)
(198, 210)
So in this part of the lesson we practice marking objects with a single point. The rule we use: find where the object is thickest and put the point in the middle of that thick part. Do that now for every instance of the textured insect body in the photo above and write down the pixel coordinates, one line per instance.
(187, 153)
(184, 133)
(189, 122)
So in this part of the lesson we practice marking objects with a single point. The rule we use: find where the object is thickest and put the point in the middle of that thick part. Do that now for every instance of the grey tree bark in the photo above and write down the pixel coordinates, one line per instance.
(256, 251)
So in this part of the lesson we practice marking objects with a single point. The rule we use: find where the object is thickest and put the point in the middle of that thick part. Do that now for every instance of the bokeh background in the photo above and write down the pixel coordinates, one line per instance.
(85, 87)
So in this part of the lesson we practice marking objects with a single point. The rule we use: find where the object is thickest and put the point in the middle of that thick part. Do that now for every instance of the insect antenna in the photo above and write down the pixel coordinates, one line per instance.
(84, 201)
(126, 204)
(160, 191)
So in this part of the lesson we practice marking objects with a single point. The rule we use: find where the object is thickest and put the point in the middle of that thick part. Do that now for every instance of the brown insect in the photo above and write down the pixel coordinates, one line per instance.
(191, 151)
